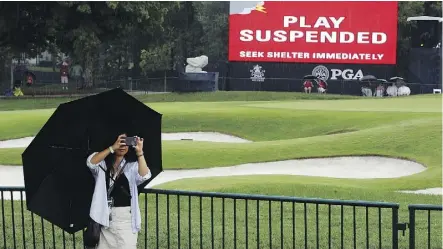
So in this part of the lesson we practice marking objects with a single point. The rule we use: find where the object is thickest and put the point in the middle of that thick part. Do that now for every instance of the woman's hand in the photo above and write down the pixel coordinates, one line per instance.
(139, 147)
(119, 142)
(143, 169)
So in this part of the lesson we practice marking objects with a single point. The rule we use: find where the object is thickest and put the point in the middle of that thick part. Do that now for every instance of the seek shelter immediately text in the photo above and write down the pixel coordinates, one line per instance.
(339, 32)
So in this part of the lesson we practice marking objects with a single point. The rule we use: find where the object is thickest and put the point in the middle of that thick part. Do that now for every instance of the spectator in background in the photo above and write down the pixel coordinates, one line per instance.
(380, 90)
(321, 86)
(17, 91)
(307, 85)
(87, 77)
(29, 80)
(19, 73)
(77, 75)
(64, 70)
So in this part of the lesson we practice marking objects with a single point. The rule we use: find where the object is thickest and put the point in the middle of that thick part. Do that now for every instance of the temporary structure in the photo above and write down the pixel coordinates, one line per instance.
(424, 18)
(429, 18)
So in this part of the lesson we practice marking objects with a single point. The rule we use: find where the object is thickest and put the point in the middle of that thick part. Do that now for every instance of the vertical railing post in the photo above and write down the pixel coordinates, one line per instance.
(130, 84)
(336, 238)
(394, 228)
(164, 83)
(411, 228)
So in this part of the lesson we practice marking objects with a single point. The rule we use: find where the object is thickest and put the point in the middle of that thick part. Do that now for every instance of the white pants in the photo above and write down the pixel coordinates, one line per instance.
(119, 234)
(366, 91)
(64, 79)
(379, 93)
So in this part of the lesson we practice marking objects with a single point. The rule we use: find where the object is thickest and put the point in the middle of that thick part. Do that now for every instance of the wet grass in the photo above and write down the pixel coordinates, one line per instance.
(175, 220)
(282, 129)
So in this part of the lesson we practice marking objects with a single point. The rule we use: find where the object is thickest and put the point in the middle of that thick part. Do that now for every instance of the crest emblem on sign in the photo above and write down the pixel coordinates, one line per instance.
(321, 72)
(257, 73)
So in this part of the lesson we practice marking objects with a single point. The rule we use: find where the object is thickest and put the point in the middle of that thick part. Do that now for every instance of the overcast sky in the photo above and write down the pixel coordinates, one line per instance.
(242, 7)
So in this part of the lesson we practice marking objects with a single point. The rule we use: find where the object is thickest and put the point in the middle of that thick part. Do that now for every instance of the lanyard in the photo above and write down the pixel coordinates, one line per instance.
(119, 172)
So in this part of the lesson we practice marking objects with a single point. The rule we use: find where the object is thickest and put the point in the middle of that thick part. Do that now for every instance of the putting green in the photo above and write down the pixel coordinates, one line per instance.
(287, 127)
(402, 104)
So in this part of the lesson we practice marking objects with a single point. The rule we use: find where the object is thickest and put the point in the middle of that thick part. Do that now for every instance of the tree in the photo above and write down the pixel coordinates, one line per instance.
(214, 17)
(407, 30)
(143, 27)
(87, 29)
(405, 10)
(26, 26)
(179, 38)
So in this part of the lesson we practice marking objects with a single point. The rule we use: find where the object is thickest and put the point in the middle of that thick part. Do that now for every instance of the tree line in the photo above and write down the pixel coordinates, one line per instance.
(136, 38)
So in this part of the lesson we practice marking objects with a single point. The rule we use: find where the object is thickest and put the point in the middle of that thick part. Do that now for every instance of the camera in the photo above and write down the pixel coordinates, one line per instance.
(131, 141)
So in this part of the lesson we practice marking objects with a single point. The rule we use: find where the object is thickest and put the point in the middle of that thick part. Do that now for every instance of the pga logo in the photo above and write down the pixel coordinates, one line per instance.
(348, 74)
(257, 73)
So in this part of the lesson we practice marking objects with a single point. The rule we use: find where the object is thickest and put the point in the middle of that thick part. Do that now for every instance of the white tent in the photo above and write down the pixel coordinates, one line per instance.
(424, 18)
(429, 18)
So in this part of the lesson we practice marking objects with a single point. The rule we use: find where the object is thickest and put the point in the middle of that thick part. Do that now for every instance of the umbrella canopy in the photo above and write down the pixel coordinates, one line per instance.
(395, 79)
(58, 184)
(310, 77)
(424, 18)
(322, 80)
(29, 73)
(382, 80)
(368, 78)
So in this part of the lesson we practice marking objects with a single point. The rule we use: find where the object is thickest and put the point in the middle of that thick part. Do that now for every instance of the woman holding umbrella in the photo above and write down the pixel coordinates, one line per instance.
(380, 90)
(308, 83)
(366, 85)
(30, 78)
(321, 85)
(398, 87)
(115, 199)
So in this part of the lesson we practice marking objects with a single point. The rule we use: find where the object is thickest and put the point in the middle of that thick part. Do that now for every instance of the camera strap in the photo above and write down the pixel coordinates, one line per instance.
(111, 185)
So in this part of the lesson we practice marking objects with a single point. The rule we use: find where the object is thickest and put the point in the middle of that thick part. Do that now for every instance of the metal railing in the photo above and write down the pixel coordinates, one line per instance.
(412, 224)
(258, 221)
(185, 219)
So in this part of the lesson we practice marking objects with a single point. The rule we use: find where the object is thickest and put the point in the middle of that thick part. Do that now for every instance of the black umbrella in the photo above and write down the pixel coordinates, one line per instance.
(58, 184)
(398, 81)
(321, 80)
(29, 73)
(310, 77)
(368, 78)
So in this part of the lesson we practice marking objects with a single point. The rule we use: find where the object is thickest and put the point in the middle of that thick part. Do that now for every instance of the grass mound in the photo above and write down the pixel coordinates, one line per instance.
(282, 133)
(27, 103)
(282, 126)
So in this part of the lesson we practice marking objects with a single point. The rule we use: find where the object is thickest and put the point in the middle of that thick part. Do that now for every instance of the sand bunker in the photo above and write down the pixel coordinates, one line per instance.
(16, 143)
(194, 136)
(428, 191)
(369, 167)
(339, 167)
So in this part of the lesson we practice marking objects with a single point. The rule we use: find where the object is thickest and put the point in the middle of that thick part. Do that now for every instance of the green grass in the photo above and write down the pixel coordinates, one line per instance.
(183, 154)
(282, 133)
(43, 103)
(282, 126)
(420, 104)
(268, 186)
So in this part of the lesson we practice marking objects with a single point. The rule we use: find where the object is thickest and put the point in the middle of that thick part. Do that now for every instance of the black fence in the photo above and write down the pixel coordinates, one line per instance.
(170, 84)
(427, 209)
(344, 87)
(183, 219)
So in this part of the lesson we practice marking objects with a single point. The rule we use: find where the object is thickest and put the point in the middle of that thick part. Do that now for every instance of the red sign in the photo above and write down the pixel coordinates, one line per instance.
(313, 32)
